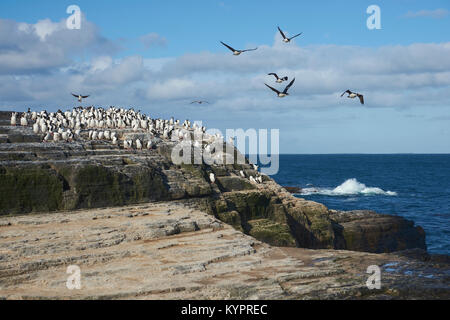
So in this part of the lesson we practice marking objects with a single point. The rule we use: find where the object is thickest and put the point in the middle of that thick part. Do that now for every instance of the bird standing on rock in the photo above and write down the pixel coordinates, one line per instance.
(138, 144)
(47, 137)
(23, 120)
(56, 136)
(14, 118)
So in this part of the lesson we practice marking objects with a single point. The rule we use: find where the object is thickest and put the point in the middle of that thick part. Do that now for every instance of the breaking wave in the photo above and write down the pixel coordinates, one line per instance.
(349, 187)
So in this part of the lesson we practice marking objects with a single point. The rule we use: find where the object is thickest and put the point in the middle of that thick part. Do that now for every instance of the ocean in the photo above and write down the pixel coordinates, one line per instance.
(414, 186)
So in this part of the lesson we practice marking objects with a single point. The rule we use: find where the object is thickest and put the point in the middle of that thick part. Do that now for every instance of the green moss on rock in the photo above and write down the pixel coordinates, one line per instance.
(232, 218)
(194, 170)
(276, 234)
(26, 189)
(233, 183)
(251, 205)
(97, 186)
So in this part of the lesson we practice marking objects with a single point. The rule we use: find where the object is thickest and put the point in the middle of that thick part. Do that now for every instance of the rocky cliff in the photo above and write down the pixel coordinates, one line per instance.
(43, 177)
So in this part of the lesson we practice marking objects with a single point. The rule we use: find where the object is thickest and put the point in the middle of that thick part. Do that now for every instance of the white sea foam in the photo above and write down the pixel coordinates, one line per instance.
(349, 187)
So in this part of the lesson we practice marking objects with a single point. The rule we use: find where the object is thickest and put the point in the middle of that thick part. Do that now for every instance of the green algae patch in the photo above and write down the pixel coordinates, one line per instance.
(232, 218)
(275, 234)
(28, 189)
(196, 171)
(251, 205)
(68, 187)
(146, 185)
(96, 186)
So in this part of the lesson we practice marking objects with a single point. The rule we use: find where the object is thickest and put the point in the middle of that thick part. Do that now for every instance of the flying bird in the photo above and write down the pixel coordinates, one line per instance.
(278, 80)
(236, 52)
(79, 96)
(353, 95)
(286, 39)
(199, 101)
(284, 93)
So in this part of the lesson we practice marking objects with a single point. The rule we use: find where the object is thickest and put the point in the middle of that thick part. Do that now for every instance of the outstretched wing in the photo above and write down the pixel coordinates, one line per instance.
(295, 36)
(76, 96)
(288, 86)
(85, 96)
(248, 50)
(273, 89)
(227, 46)
(199, 101)
(348, 91)
(273, 74)
(361, 98)
(282, 34)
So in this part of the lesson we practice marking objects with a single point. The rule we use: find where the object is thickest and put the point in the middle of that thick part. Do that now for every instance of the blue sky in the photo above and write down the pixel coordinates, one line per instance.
(402, 69)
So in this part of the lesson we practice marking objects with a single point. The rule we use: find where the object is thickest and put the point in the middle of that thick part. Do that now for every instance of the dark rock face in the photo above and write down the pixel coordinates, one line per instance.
(367, 231)
(67, 184)
(40, 177)
(30, 188)
(293, 189)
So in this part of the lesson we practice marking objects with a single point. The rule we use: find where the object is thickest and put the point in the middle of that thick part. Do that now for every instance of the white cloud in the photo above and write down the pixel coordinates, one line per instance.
(46, 45)
(128, 70)
(172, 89)
(153, 39)
(435, 14)
(101, 63)
(43, 67)
(44, 28)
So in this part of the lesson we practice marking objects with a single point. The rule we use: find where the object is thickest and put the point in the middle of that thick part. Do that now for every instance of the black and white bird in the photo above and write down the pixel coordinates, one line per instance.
(80, 97)
(199, 101)
(286, 39)
(353, 95)
(284, 93)
(14, 118)
(236, 52)
(278, 79)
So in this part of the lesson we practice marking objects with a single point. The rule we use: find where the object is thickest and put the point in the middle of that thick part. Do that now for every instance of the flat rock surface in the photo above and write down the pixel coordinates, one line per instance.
(168, 250)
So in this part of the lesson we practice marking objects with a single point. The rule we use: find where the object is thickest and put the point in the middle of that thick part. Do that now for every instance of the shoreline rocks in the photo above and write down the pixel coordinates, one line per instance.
(42, 177)
(140, 227)
(293, 189)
